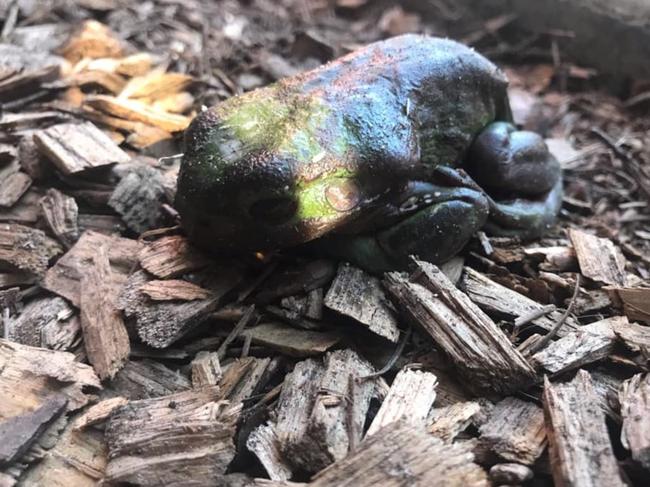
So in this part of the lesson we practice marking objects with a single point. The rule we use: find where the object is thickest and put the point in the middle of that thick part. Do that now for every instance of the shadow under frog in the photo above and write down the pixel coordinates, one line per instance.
(403, 147)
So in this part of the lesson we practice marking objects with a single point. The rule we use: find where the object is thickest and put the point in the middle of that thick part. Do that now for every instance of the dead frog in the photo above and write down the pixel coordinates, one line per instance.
(403, 147)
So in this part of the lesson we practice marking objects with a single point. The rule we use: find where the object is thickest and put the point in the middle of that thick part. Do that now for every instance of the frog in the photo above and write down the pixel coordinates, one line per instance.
(405, 147)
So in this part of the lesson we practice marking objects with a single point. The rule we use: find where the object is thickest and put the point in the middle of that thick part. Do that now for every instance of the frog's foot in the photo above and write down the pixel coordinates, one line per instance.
(434, 233)
(521, 177)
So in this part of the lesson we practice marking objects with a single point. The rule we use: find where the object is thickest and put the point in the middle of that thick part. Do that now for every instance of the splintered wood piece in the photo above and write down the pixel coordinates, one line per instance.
(78, 459)
(105, 337)
(188, 438)
(25, 210)
(40, 319)
(27, 248)
(556, 259)
(92, 39)
(156, 85)
(402, 454)
(449, 421)
(174, 102)
(503, 302)
(515, 431)
(98, 413)
(134, 65)
(599, 258)
(206, 369)
(29, 375)
(64, 278)
(19, 432)
(291, 341)
(588, 344)
(13, 187)
(61, 214)
(138, 111)
(111, 82)
(263, 443)
(161, 323)
(635, 410)
(410, 397)
(321, 410)
(579, 446)
(635, 301)
(174, 290)
(476, 345)
(171, 256)
(145, 378)
(74, 148)
(634, 336)
(359, 295)
(138, 198)
(245, 377)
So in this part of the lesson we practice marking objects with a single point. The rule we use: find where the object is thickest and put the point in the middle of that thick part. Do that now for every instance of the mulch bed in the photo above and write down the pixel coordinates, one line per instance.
(131, 357)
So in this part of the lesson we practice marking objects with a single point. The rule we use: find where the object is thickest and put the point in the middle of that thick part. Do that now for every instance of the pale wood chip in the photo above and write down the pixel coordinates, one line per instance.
(634, 396)
(61, 214)
(92, 39)
(98, 413)
(27, 248)
(635, 301)
(599, 258)
(293, 341)
(174, 289)
(171, 256)
(579, 446)
(13, 187)
(75, 148)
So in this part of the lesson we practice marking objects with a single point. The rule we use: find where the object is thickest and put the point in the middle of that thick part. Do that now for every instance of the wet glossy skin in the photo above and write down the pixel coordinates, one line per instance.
(404, 147)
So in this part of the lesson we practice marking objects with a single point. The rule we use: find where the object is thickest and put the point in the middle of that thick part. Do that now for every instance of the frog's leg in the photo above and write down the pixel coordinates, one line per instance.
(435, 232)
(523, 180)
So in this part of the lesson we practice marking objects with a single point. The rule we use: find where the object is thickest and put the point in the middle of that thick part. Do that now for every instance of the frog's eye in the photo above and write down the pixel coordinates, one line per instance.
(343, 194)
(273, 210)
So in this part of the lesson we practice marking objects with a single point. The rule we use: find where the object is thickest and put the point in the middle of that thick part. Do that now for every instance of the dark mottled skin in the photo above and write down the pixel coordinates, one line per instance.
(366, 152)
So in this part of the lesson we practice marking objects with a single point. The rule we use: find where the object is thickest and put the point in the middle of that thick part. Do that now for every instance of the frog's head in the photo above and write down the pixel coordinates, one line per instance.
(503, 158)
(233, 197)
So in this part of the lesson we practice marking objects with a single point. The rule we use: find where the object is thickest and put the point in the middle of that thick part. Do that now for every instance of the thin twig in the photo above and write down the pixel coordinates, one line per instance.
(396, 354)
(551, 334)
(534, 315)
(247, 319)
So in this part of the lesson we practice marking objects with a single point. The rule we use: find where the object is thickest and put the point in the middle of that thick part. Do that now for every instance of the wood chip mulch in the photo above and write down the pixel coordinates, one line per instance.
(129, 357)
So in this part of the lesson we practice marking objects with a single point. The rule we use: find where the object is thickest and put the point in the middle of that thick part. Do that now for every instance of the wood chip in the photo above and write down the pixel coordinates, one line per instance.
(635, 410)
(19, 432)
(319, 418)
(189, 436)
(579, 446)
(138, 111)
(447, 422)
(402, 454)
(510, 474)
(98, 413)
(515, 431)
(13, 187)
(292, 341)
(478, 348)
(74, 148)
(635, 301)
(64, 278)
(174, 290)
(92, 39)
(246, 377)
(171, 256)
(26, 248)
(502, 302)
(138, 198)
(599, 258)
(206, 369)
(105, 337)
(145, 378)
(358, 295)
(26, 210)
(61, 215)
(590, 343)
(78, 459)
(29, 375)
(161, 323)
(263, 443)
(410, 397)
(40, 321)
(634, 336)
(155, 85)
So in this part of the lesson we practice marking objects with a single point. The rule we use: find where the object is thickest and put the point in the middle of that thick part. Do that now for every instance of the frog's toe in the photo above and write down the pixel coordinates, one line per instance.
(438, 232)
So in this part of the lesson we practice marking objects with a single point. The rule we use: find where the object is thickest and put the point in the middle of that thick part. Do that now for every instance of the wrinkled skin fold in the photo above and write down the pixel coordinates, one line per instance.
(404, 147)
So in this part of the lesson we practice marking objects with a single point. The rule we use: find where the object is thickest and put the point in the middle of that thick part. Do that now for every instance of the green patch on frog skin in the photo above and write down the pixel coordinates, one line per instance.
(312, 200)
